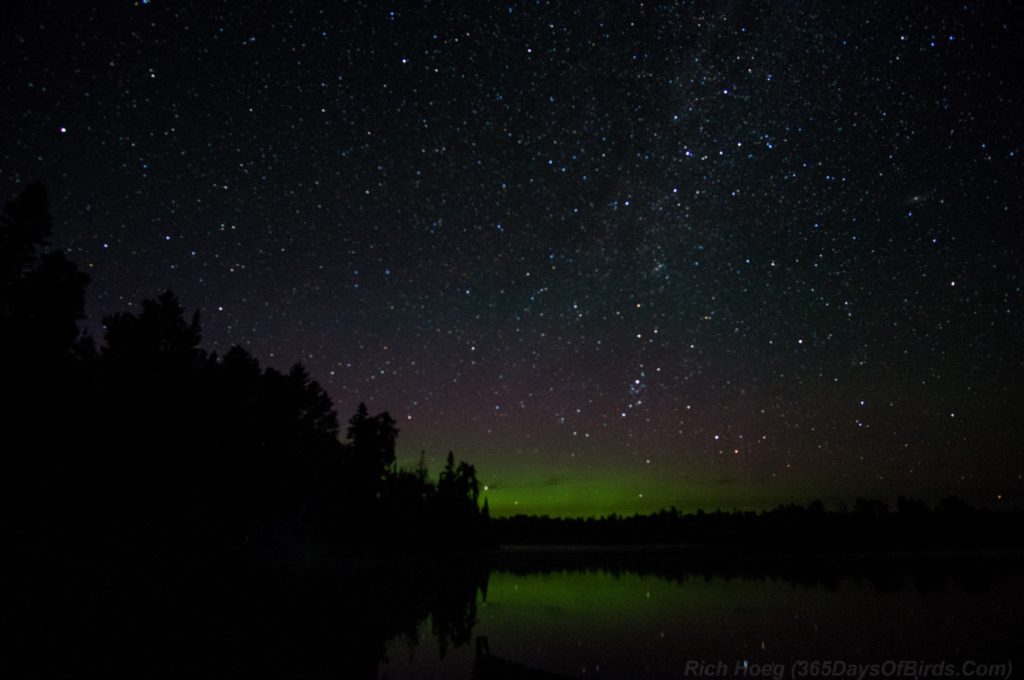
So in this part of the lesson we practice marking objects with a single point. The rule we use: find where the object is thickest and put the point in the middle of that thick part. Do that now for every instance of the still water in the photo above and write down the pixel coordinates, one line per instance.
(630, 622)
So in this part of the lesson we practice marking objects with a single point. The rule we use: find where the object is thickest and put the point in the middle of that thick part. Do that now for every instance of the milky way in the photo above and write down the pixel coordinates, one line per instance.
(619, 255)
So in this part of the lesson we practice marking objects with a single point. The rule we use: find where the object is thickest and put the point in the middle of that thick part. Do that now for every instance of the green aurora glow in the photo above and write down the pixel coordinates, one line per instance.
(558, 491)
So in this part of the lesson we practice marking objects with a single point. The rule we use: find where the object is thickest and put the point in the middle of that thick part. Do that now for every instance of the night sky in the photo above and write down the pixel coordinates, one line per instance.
(619, 255)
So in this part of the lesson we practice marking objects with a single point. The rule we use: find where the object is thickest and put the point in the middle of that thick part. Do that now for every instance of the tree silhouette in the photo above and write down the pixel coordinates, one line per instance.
(150, 475)
(158, 335)
(42, 298)
(42, 294)
(372, 445)
(177, 445)
(24, 229)
(457, 502)
(467, 485)
(315, 408)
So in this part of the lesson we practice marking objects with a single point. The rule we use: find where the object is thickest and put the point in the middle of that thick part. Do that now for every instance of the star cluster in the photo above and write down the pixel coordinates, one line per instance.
(619, 255)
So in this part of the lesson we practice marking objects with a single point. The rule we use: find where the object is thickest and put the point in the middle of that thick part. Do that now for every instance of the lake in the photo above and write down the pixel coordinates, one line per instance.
(671, 615)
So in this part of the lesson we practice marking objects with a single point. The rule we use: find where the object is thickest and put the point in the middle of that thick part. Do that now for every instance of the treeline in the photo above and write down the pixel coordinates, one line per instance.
(869, 526)
(147, 445)
(169, 508)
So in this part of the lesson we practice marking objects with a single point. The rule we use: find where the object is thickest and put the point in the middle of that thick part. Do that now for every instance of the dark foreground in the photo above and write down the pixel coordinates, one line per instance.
(522, 612)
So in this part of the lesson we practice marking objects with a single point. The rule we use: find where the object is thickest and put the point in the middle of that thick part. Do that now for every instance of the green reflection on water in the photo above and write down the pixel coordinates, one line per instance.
(632, 625)
(598, 595)
(547, 615)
